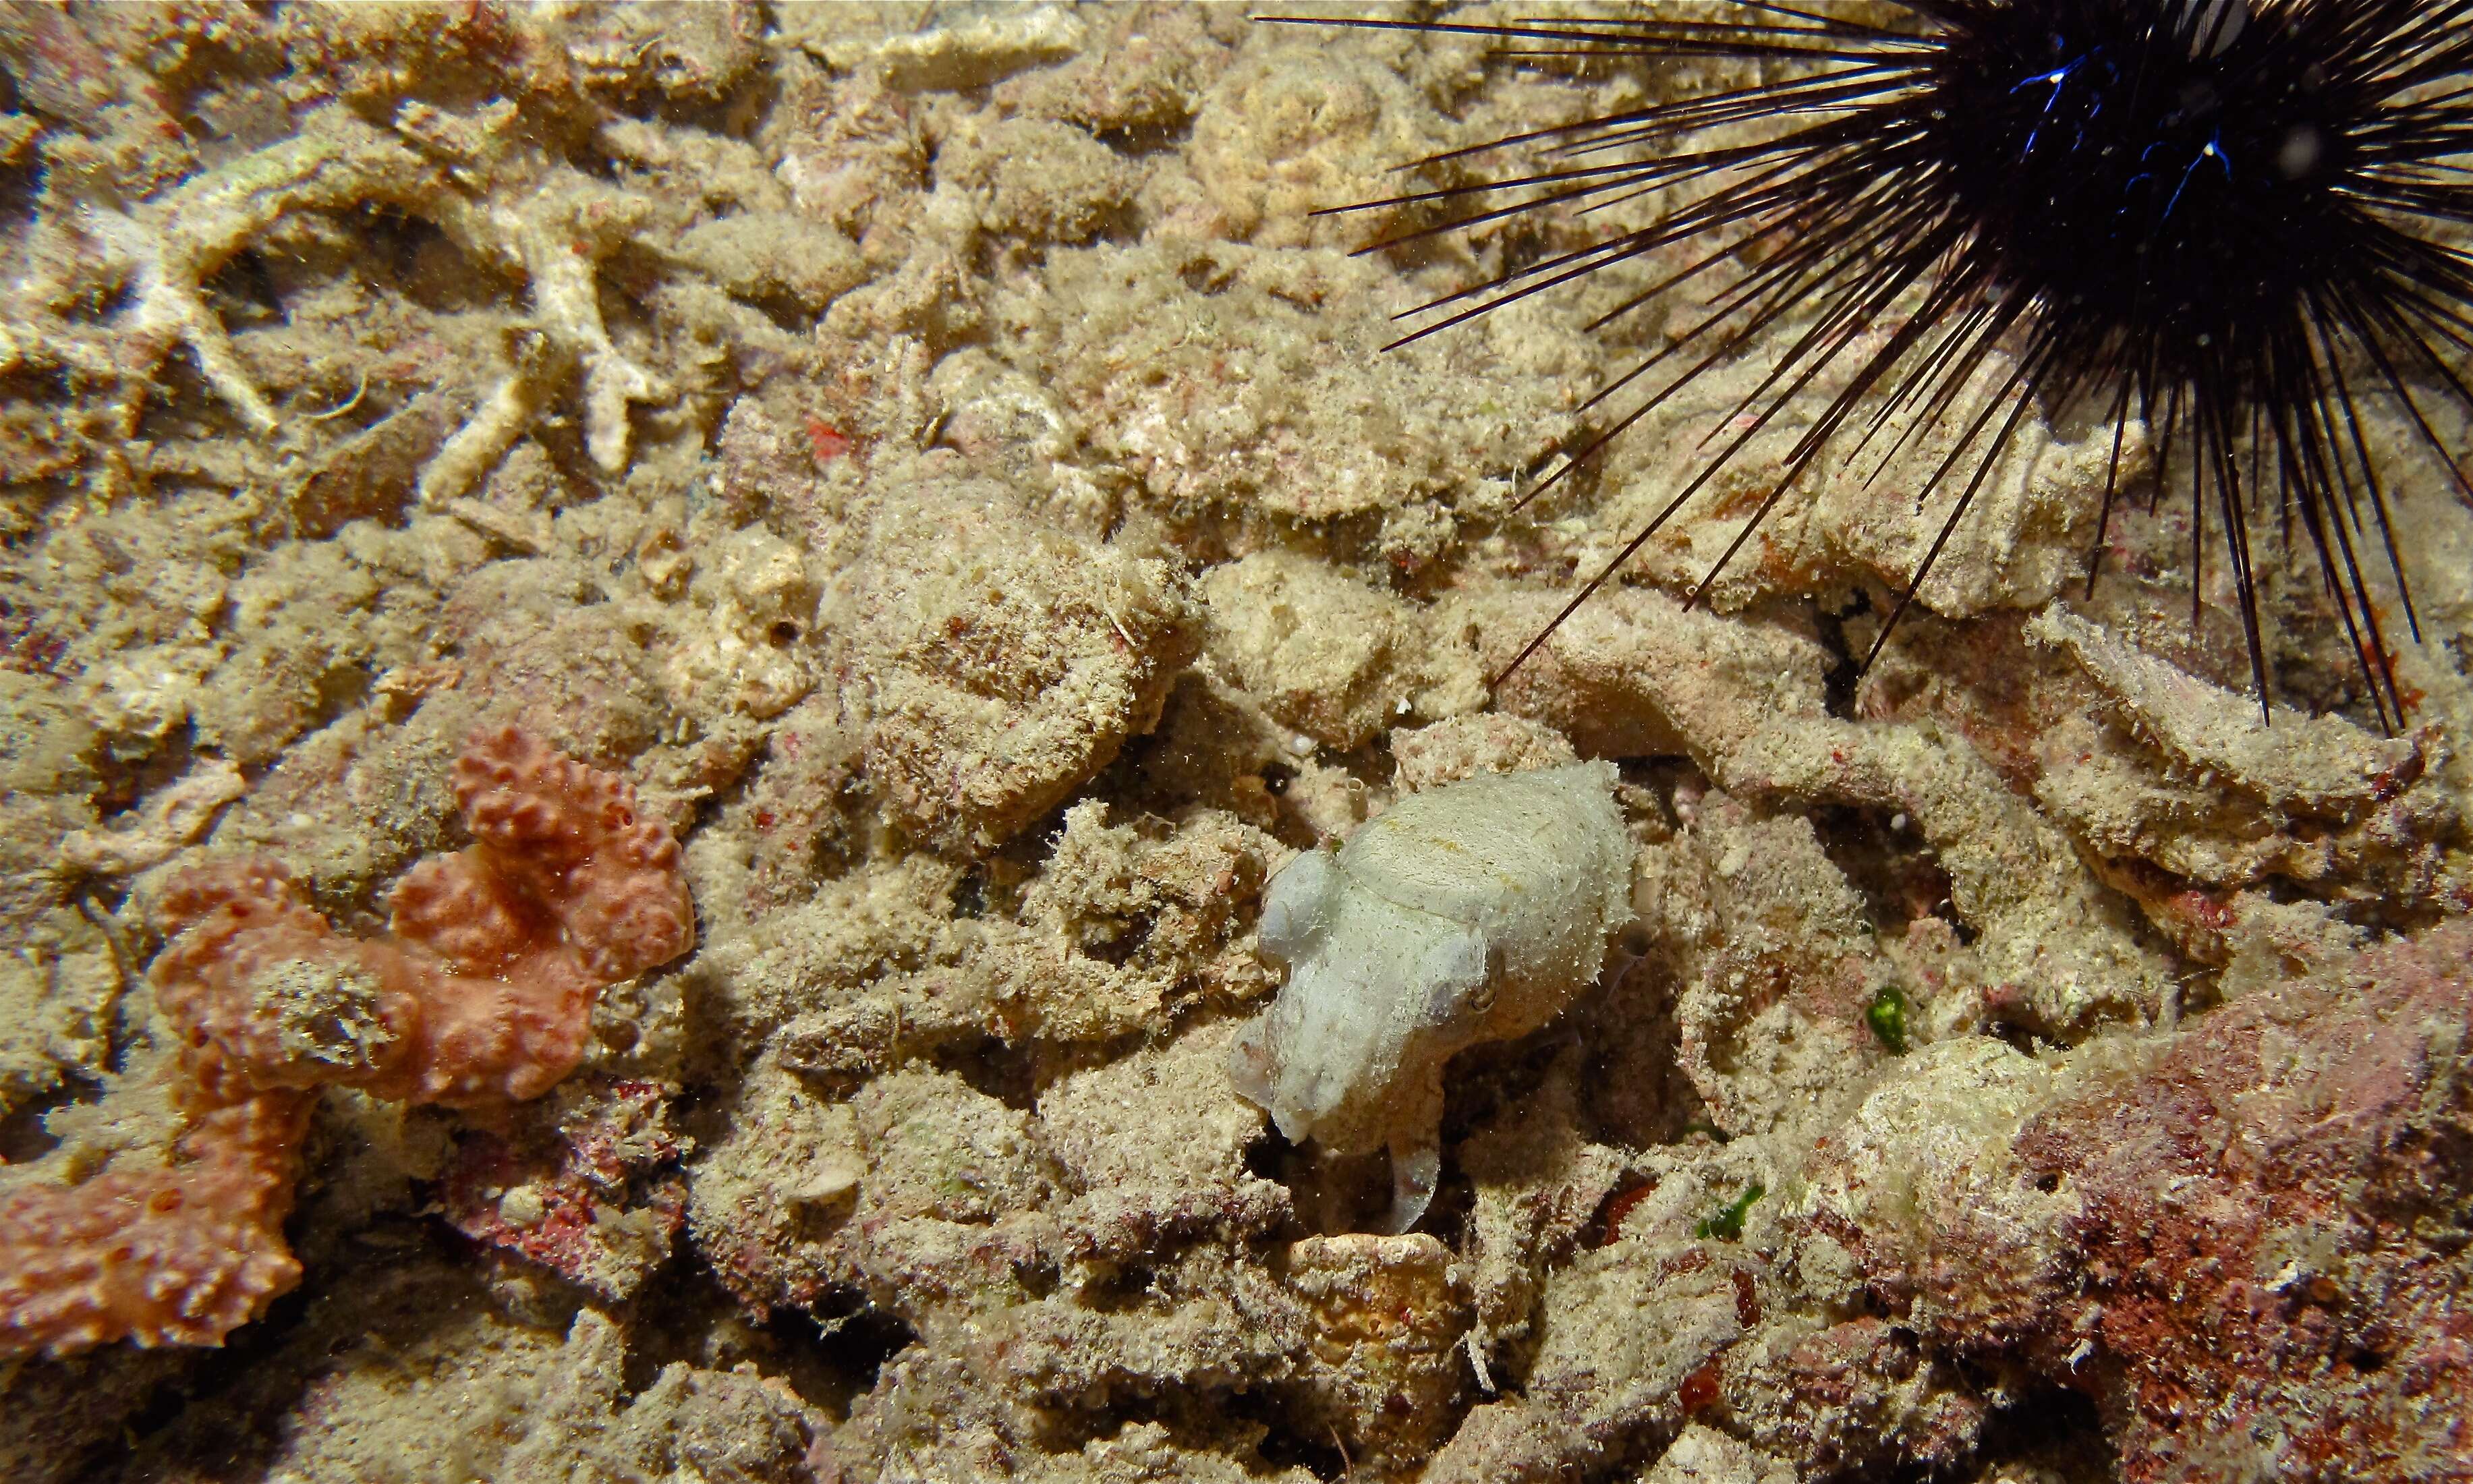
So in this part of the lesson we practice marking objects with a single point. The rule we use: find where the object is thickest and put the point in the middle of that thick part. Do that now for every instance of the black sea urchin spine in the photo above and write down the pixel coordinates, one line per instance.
(2231, 220)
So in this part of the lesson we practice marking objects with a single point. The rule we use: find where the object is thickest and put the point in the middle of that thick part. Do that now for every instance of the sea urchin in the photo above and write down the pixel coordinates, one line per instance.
(2232, 220)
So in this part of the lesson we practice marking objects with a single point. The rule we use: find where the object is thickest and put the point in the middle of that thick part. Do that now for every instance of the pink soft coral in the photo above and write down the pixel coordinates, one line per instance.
(481, 994)
(179, 1255)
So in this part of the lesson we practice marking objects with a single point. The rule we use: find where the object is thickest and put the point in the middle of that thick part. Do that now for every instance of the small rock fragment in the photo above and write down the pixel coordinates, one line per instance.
(1385, 1364)
(2319, 765)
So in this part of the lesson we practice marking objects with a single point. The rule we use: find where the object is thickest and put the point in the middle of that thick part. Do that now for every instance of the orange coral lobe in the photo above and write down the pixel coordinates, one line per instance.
(176, 1255)
(482, 993)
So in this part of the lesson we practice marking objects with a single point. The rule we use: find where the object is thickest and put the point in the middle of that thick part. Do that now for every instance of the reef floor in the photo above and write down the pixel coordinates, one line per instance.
(920, 473)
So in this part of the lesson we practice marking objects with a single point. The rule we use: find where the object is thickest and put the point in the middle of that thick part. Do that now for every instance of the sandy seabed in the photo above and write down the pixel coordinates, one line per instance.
(931, 451)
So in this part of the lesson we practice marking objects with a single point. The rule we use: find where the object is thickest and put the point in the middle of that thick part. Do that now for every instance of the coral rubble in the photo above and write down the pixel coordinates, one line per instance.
(944, 458)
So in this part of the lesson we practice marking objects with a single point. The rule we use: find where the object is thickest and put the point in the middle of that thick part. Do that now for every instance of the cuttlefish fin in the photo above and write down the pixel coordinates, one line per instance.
(1415, 1167)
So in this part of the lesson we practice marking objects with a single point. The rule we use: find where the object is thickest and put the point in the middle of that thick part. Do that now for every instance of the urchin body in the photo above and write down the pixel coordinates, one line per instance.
(2183, 190)
(2229, 221)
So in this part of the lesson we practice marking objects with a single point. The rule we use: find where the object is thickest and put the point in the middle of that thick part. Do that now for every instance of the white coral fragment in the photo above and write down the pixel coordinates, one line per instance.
(172, 818)
(1468, 914)
(969, 53)
(553, 237)
(171, 246)
(474, 449)
(506, 205)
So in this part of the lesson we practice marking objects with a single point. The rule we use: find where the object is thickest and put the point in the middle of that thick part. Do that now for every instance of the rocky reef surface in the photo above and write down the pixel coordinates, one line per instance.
(915, 479)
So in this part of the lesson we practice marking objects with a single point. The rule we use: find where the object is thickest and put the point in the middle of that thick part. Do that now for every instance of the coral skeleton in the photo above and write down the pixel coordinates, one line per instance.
(481, 993)
(551, 237)
(546, 225)
(167, 247)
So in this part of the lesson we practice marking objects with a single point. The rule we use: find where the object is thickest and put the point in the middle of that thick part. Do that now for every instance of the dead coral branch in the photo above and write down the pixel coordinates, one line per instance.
(548, 225)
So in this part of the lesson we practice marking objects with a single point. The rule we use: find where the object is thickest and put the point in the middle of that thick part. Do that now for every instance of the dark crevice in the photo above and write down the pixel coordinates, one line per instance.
(991, 1070)
(23, 1136)
(853, 1335)
(244, 291)
(2051, 1429)
(1845, 673)
(1285, 1446)
(1885, 857)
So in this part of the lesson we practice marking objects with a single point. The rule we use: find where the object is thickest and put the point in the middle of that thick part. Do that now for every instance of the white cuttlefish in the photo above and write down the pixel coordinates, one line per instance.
(1470, 913)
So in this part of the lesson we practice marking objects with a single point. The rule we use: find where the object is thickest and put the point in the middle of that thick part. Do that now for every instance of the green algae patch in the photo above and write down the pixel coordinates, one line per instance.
(1727, 1225)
